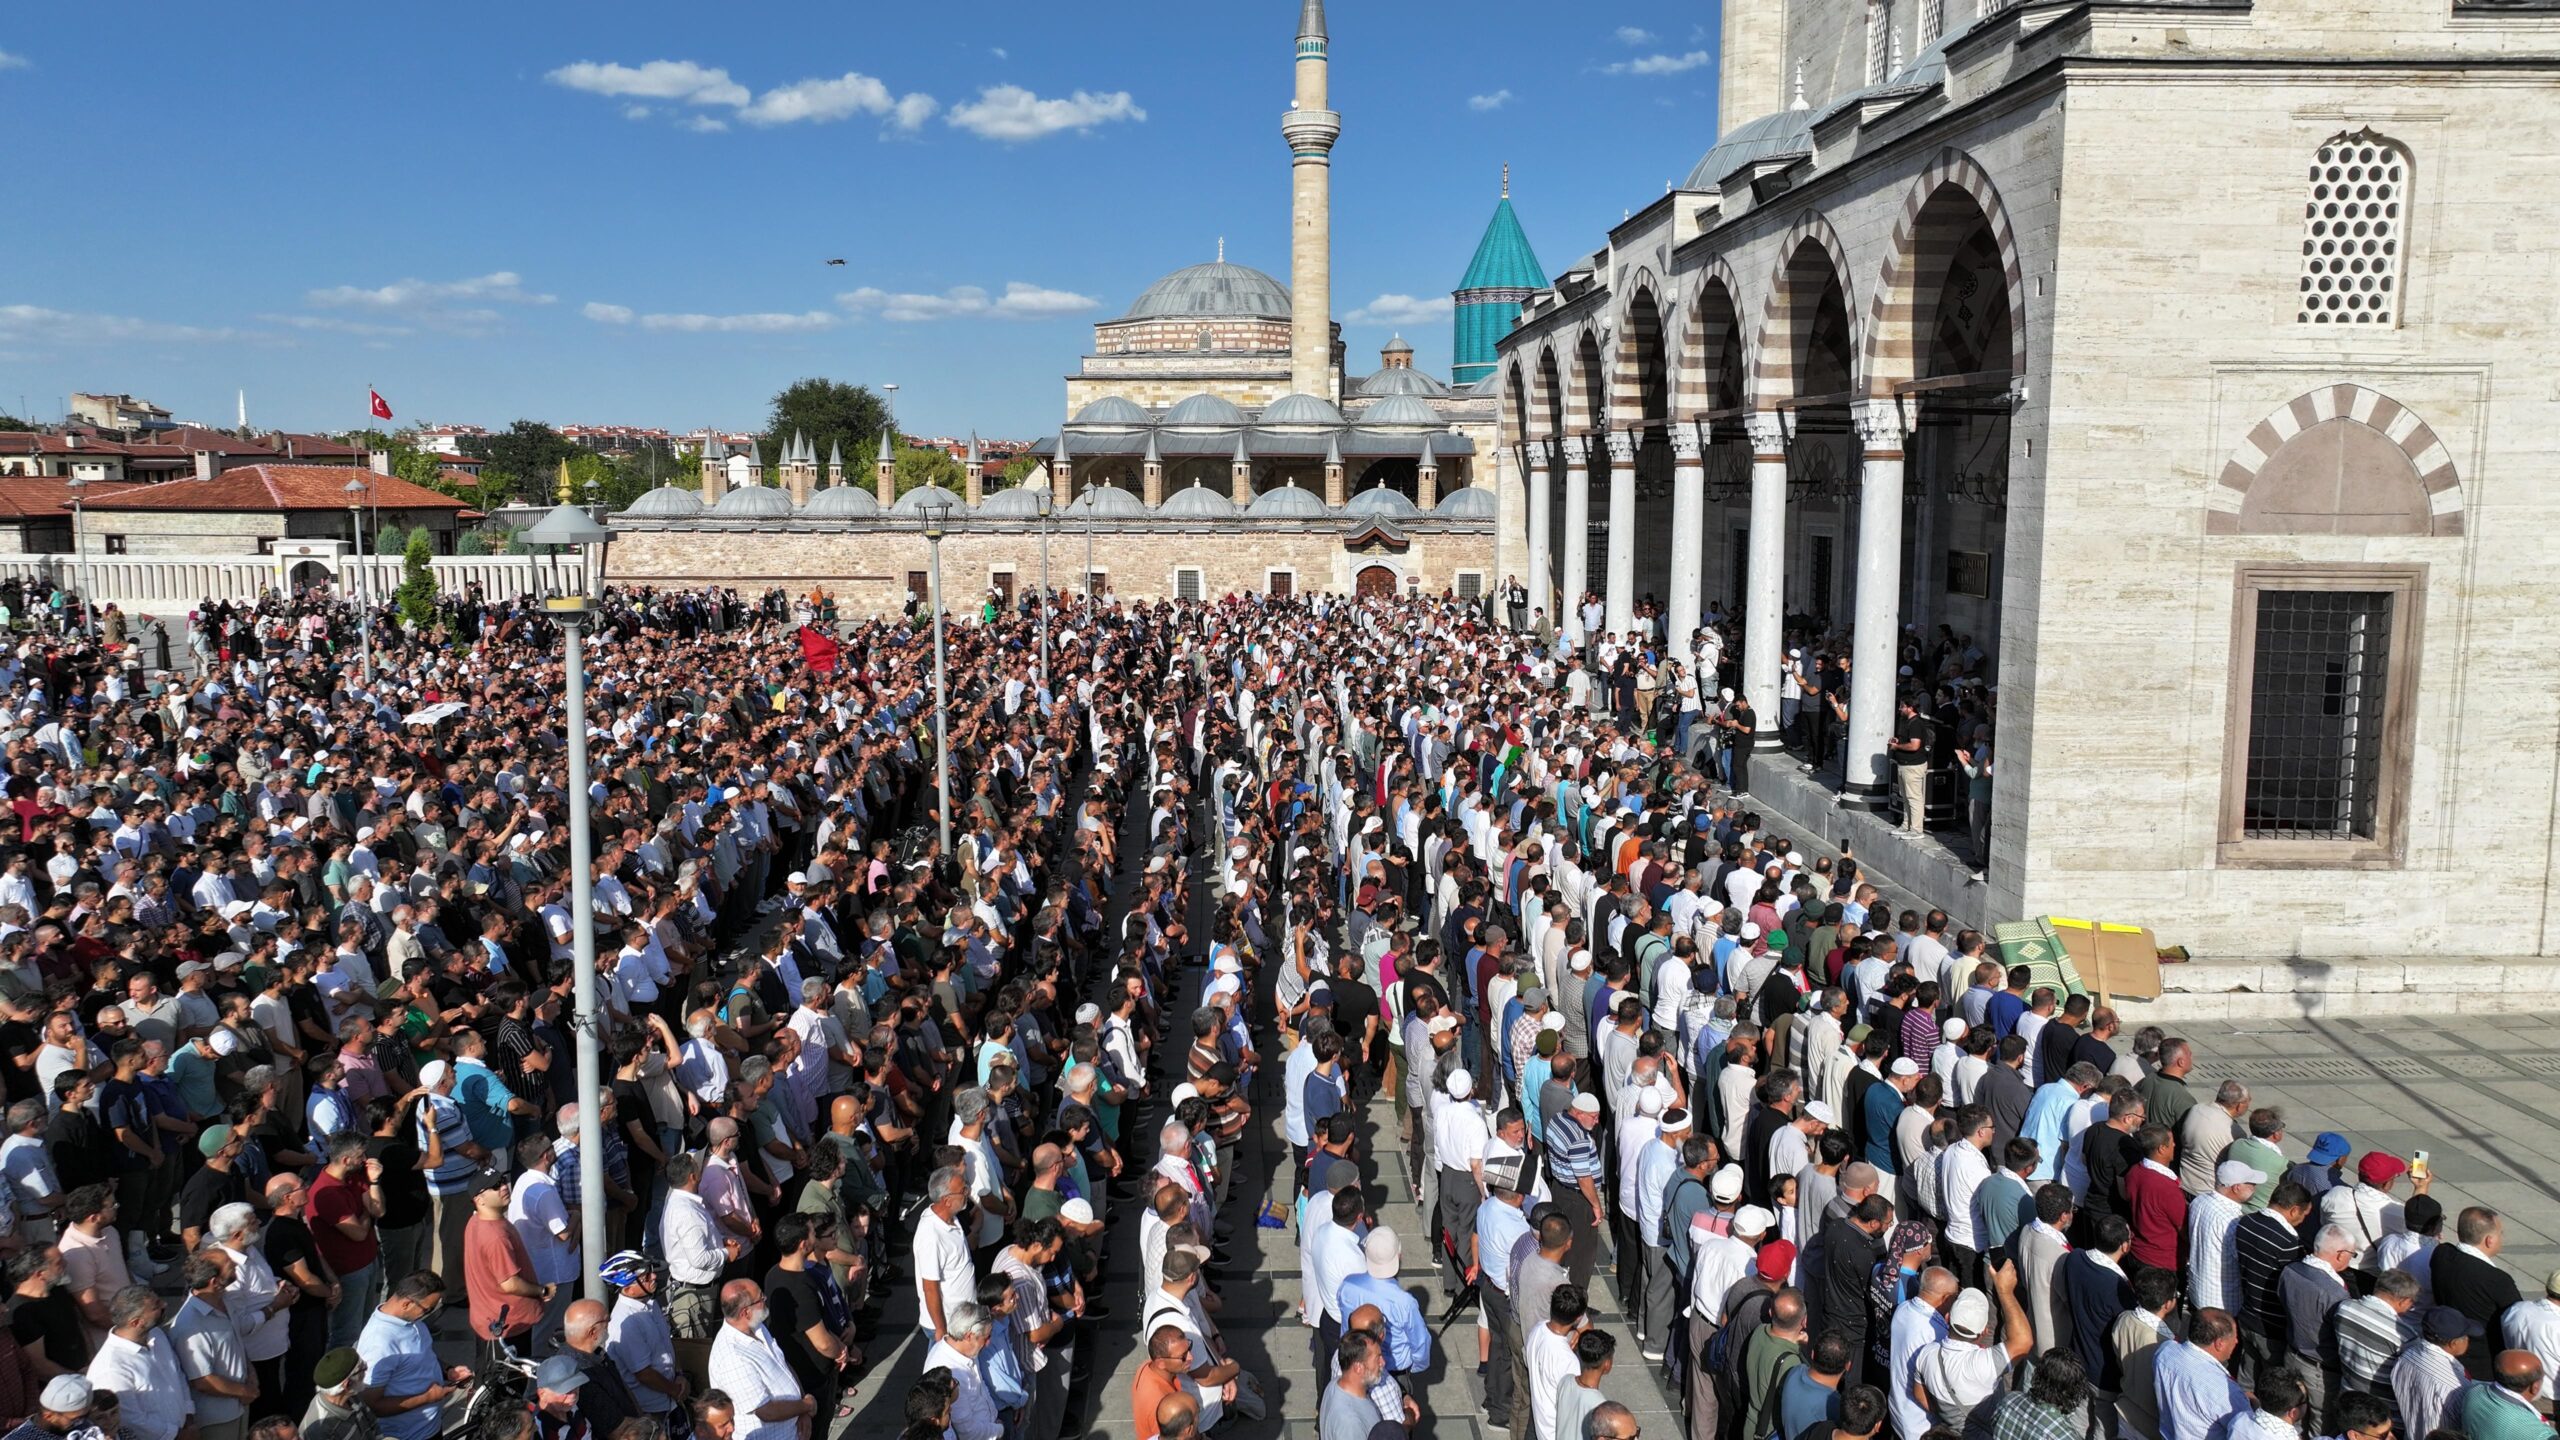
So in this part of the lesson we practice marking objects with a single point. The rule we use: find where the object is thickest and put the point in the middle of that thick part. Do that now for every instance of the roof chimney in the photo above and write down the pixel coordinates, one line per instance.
(379, 460)
(204, 465)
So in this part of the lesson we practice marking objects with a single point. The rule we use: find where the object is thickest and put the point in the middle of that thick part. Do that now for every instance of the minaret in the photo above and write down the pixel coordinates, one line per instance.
(884, 473)
(835, 464)
(974, 488)
(715, 469)
(1311, 129)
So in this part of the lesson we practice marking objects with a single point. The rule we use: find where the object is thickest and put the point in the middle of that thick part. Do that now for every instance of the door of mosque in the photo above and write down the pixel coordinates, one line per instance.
(1377, 582)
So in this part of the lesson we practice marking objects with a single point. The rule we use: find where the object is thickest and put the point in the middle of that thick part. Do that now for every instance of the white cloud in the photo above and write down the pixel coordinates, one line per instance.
(1402, 310)
(1634, 35)
(847, 95)
(1663, 64)
(37, 323)
(496, 287)
(1494, 101)
(705, 125)
(1020, 301)
(766, 323)
(999, 53)
(635, 112)
(336, 325)
(681, 80)
(12, 62)
(1011, 113)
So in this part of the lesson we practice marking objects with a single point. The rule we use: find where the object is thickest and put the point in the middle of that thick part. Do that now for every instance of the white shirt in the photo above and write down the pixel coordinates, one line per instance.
(30, 1172)
(2213, 1251)
(1718, 1262)
(1960, 1375)
(157, 1399)
(542, 1222)
(1961, 1171)
(1458, 1134)
(973, 1409)
(252, 1298)
(942, 1256)
(2535, 1325)
(1916, 1327)
(750, 1368)
(1551, 1360)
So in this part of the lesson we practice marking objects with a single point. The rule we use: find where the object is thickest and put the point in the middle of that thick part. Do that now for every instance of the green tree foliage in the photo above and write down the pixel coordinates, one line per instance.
(472, 542)
(417, 593)
(917, 467)
(1013, 472)
(390, 540)
(829, 412)
(523, 461)
(12, 422)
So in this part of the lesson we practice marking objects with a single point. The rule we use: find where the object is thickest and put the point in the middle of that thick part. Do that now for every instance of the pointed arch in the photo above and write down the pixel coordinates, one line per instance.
(1811, 261)
(1546, 395)
(1586, 384)
(1639, 375)
(2341, 460)
(1515, 401)
(1711, 334)
(1898, 318)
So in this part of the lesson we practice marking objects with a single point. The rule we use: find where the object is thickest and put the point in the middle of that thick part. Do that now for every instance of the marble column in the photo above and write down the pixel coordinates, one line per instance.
(1542, 575)
(1621, 603)
(1875, 647)
(1688, 536)
(1765, 614)
(1576, 539)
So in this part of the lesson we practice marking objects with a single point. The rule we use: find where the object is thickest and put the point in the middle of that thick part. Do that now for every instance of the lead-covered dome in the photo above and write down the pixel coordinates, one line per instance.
(1022, 502)
(842, 502)
(1383, 500)
(1107, 502)
(1403, 380)
(914, 501)
(754, 502)
(1113, 410)
(1467, 502)
(1214, 289)
(1781, 132)
(1300, 409)
(1197, 502)
(667, 502)
(1288, 502)
(1401, 410)
(1205, 412)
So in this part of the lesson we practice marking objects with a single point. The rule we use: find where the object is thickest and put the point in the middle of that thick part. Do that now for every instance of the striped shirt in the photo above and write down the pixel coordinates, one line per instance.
(1572, 1153)
(2370, 1337)
(453, 1177)
(2265, 1244)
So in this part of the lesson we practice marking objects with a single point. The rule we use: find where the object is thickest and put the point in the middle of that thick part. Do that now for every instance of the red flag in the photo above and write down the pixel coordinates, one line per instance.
(381, 407)
(820, 650)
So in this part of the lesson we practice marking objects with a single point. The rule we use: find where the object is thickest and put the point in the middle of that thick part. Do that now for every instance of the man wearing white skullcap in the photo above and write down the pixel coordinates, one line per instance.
(1459, 1135)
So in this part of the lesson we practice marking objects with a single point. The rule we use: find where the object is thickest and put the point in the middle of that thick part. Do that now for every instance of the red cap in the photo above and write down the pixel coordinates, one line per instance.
(2378, 1168)
(1776, 1259)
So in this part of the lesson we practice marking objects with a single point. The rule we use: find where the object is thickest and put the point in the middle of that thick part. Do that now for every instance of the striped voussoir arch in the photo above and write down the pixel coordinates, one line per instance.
(1786, 312)
(1706, 321)
(1586, 383)
(1546, 394)
(1893, 325)
(1639, 328)
(2428, 455)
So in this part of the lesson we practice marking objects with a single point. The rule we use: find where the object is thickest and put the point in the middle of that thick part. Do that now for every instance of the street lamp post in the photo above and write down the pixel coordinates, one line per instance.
(362, 590)
(565, 527)
(80, 553)
(1042, 503)
(935, 517)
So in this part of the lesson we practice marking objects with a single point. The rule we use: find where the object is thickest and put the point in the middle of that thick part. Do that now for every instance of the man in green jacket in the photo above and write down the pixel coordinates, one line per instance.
(1773, 1350)
(2503, 1409)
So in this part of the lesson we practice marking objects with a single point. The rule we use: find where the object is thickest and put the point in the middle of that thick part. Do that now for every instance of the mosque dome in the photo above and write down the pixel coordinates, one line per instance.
(1107, 502)
(1207, 412)
(1197, 502)
(914, 501)
(842, 502)
(1300, 409)
(1781, 132)
(667, 502)
(1022, 502)
(1402, 410)
(1288, 502)
(1382, 501)
(1467, 502)
(754, 502)
(1113, 410)
(1403, 380)
(1214, 289)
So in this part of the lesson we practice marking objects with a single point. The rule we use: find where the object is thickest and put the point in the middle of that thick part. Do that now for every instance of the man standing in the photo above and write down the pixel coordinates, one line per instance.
(2206, 1134)
(748, 1366)
(410, 1385)
(2313, 1288)
(2504, 1410)
(2193, 1377)
(1573, 1165)
(138, 1362)
(344, 1202)
(2469, 1278)
(209, 1349)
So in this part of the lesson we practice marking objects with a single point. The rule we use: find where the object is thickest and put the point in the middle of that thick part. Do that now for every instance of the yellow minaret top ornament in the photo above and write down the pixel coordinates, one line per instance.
(564, 480)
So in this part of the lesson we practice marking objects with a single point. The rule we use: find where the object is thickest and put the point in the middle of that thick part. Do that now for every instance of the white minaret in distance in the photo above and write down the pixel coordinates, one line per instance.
(1311, 128)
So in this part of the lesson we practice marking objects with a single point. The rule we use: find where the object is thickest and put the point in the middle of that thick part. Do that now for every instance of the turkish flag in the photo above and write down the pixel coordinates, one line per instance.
(819, 650)
(381, 407)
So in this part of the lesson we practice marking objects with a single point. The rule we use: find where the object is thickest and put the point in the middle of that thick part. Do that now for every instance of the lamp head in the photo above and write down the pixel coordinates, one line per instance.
(936, 520)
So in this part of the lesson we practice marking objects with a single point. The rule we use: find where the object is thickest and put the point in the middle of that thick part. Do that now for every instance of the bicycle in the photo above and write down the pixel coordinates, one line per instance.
(501, 1381)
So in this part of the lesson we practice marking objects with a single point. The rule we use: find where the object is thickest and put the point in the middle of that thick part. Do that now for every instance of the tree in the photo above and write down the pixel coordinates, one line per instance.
(392, 540)
(917, 466)
(13, 423)
(830, 413)
(523, 460)
(417, 592)
(472, 542)
(1013, 472)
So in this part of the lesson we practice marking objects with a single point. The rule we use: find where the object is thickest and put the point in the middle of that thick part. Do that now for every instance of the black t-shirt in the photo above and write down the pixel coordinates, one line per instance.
(1354, 1004)
(17, 1038)
(1907, 729)
(206, 1191)
(797, 1304)
(51, 1320)
(289, 1240)
(404, 1185)
(80, 1148)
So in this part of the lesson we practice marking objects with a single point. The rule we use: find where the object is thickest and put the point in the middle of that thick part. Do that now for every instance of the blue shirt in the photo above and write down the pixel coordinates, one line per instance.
(191, 1070)
(400, 1358)
(484, 1099)
(1804, 1402)
(1408, 1335)
(1571, 1152)
(2005, 1009)
(1499, 1224)
(2048, 1119)
(1884, 1107)
(2196, 1393)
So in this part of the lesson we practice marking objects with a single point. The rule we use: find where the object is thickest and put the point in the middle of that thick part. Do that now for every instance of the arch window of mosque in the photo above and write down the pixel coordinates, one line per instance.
(2352, 230)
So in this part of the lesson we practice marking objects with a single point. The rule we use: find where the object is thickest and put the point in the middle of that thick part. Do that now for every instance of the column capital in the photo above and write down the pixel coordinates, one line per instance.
(1881, 424)
(1577, 450)
(1686, 446)
(1534, 456)
(1622, 447)
(1767, 430)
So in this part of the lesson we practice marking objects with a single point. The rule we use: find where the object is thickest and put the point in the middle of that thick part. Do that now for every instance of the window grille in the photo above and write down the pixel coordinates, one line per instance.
(2317, 690)
(2351, 232)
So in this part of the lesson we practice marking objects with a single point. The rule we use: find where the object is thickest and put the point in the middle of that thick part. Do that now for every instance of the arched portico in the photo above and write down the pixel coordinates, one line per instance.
(1639, 454)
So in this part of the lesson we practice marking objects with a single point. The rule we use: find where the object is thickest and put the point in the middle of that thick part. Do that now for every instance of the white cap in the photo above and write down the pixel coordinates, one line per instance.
(433, 1072)
(1953, 1029)
(1088, 1013)
(1971, 1314)
(1554, 1021)
(1461, 1084)
(1587, 1103)
(1821, 1110)
(1750, 930)
(1904, 1066)
(1726, 1184)
(1753, 1220)
(1080, 1210)
(1442, 1024)
(1184, 1091)
(2237, 1172)
(796, 877)
(224, 1043)
(1581, 961)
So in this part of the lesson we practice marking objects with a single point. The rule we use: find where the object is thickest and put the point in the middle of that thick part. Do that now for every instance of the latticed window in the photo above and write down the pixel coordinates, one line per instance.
(2352, 231)
(1186, 583)
(2316, 714)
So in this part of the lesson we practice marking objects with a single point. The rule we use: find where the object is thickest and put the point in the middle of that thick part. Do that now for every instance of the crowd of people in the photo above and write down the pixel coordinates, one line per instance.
(1323, 902)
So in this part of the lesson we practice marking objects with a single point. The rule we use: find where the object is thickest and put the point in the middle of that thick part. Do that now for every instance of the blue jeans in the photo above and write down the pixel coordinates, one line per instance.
(356, 1302)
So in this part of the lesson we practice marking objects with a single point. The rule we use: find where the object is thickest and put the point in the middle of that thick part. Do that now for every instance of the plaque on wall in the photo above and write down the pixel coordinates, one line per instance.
(1969, 573)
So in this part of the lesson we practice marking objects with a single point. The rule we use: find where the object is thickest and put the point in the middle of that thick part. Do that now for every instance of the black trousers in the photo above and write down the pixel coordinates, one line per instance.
(1499, 1395)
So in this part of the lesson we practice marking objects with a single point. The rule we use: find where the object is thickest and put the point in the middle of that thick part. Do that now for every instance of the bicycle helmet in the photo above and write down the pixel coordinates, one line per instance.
(625, 1267)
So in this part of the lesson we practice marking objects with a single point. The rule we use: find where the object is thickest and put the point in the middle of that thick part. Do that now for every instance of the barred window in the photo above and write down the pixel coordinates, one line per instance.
(2352, 231)
(1186, 583)
(1470, 584)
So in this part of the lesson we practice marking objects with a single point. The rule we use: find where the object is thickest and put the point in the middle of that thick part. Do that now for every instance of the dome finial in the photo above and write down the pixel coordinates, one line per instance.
(1506, 179)
(1222, 249)
(1799, 100)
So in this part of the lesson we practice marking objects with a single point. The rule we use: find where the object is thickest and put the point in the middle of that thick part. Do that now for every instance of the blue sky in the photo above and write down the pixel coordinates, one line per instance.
(620, 213)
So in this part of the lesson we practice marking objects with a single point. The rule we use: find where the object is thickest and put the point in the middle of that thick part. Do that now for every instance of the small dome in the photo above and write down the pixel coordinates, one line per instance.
(1022, 502)
(842, 502)
(667, 502)
(1780, 132)
(1108, 502)
(1383, 500)
(1402, 410)
(754, 502)
(914, 501)
(1300, 410)
(1113, 410)
(1288, 502)
(1207, 412)
(1403, 381)
(1198, 502)
(1217, 288)
(1467, 502)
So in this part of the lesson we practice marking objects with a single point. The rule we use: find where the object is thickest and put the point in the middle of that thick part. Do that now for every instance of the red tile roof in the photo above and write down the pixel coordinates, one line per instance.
(269, 489)
(196, 437)
(23, 442)
(24, 497)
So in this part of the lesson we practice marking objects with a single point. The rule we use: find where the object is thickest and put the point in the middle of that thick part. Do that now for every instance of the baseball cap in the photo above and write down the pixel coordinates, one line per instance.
(1971, 1314)
(1383, 1252)
(1726, 1183)
(2237, 1172)
(2328, 1147)
(1776, 1259)
(2446, 1323)
(559, 1375)
(1753, 1220)
(66, 1394)
(2380, 1167)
